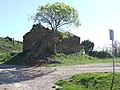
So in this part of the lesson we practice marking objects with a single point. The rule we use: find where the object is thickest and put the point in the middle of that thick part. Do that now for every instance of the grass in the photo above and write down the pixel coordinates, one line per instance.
(77, 58)
(8, 49)
(89, 81)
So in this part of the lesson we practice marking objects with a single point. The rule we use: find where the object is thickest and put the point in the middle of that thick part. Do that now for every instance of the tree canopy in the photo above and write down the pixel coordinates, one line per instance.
(57, 15)
(87, 45)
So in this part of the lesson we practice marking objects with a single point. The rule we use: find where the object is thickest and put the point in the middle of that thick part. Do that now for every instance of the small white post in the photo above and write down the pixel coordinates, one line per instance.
(111, 32)
(112, 38)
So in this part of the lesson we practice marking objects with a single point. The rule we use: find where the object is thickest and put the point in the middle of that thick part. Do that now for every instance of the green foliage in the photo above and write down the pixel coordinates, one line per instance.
(8, 49)
(4, 57)
(66, 34)
(90, 81)
(77, 58)
(101, 54)
(70, 86)
(7, 46)
(57, 15)
(88, 46)
(71, 59)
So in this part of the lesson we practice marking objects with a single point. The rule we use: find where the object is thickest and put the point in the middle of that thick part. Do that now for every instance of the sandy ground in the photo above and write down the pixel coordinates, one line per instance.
(43, 78)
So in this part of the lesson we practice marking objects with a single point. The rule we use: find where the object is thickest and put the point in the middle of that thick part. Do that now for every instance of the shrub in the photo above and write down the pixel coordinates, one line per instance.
(4, 57)
(101, 54)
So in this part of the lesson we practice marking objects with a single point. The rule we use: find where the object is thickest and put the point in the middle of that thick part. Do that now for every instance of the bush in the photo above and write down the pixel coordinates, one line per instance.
(4, 57)
(100, 54)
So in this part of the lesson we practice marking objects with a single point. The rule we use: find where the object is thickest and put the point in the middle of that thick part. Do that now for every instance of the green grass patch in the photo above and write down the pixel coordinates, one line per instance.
(77, 58)
(90, 81)
(4, 57)
(8, 49)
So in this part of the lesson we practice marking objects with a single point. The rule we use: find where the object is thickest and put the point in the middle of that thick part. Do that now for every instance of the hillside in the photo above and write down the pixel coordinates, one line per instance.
(9, 48)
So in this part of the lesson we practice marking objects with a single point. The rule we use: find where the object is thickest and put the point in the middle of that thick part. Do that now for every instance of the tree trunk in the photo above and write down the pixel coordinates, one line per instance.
(55, 42)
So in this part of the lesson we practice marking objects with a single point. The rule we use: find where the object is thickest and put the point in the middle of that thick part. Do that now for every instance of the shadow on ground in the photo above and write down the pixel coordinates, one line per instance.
(12, 74)
(5, 66)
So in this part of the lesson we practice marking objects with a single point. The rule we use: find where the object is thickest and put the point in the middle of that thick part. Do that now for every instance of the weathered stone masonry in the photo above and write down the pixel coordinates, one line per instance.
(39, 42)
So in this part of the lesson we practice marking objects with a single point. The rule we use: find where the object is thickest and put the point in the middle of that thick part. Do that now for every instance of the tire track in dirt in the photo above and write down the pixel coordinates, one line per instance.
(46, 82)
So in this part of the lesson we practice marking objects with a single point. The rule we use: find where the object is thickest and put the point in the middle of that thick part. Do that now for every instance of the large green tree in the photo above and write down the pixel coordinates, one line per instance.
(56, 16)
(88, 46)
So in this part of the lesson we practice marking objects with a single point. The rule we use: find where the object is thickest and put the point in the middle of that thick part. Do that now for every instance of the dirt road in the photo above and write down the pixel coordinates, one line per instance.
(43, 78)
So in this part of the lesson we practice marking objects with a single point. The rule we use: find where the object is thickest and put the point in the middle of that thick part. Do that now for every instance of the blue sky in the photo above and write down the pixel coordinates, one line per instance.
(96, 16)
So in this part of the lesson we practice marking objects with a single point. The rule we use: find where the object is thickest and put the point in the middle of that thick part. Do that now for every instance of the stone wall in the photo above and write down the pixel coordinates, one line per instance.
(39, 42)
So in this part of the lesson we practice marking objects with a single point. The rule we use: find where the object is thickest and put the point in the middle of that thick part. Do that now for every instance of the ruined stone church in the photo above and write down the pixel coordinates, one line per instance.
(39, 43)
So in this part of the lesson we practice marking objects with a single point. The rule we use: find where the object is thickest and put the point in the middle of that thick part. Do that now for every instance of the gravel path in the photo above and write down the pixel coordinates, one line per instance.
(43, 78)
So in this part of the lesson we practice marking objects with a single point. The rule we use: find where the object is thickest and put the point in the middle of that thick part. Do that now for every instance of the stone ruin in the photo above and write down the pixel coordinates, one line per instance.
(38, 44)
